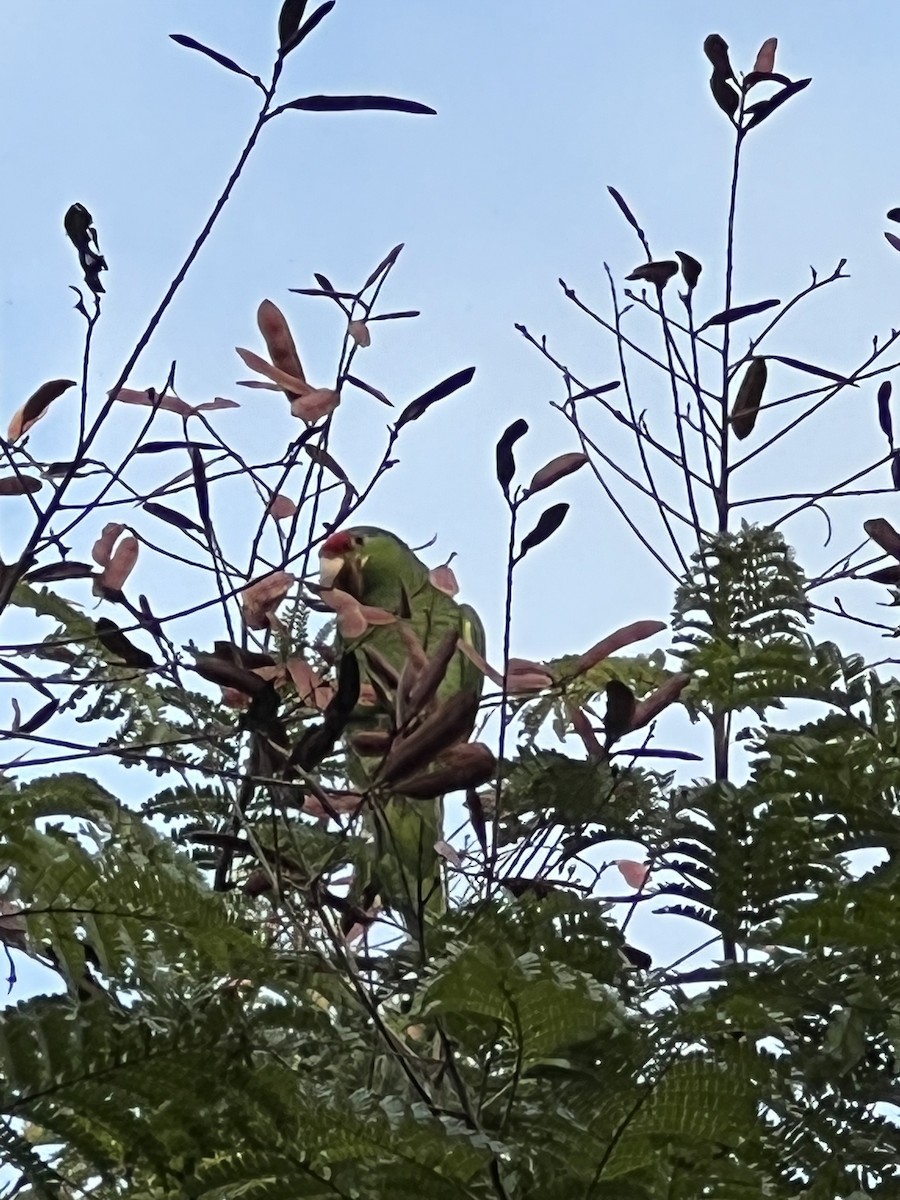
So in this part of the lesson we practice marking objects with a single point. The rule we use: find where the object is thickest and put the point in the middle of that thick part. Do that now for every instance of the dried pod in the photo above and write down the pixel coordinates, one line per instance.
(558, 468)
(36, 405)
(19, 485)
(884, 535)
(506, 463)
(114, 640)
(749, 398)
(657, 273)
(371, 743)
(889, 575)
(451, 722)
(716, 50)
(476, 816)
(884, 411)
(431, 675)
(620, 704)
(463, 766)
(724, 94)
(690, 269)
(667, 693)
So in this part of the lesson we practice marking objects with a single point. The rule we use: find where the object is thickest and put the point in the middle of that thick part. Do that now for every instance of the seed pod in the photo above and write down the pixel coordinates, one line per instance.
(749, 397)
(658, 273)
(451, 722)
(371, 743)
(463, 766)
(884, 535)
(279, 341)
(432, 674)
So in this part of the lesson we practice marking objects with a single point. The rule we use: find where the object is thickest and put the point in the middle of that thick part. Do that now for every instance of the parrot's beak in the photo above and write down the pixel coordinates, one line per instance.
(329, 568)
(341, 571)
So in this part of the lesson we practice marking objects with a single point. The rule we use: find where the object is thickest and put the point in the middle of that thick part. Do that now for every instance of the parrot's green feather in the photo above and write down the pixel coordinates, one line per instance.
(386, 574)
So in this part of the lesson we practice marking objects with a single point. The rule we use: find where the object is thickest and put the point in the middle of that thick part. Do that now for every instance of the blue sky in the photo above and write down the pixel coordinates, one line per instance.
(540, 108)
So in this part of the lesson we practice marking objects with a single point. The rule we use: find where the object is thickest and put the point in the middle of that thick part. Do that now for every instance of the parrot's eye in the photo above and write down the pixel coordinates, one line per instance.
(358, 540)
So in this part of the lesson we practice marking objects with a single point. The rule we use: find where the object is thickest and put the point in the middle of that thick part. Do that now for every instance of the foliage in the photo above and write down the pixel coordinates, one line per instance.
(232, 1015)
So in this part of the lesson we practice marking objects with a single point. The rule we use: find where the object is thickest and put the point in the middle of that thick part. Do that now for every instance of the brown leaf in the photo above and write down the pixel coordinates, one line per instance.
(738, 313)
(558, 468)
(279, 341)
(765, 59)
(173, 516)
(260, 600)
(443, 579)
(114, 640)
(522, 674)
(764, 108)
(281, 507)
(582, 726)
(446, 851)
(102, 548)
(634, 873)
(60, 570)
(120, 565)
(667, 693)
(285, 380)
(369, 389)
(315, 403)
(216, 403)
(326, 460)
(359, 331)
(657, 273)
(749, 397)
(228, 63)
(36, 405)
(150, 398)
(230, 676)
(635, 632)
(440, 391)
(19, 485)
(883, 534)
(338, 802)
(353, 618)
(310, 687)
(547, 524)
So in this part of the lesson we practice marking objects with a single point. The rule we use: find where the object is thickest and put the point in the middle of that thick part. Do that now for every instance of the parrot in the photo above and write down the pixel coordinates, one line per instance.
(380, 571)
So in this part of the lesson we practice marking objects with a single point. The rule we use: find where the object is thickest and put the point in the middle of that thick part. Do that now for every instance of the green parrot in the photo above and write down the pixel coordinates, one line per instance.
(379, 570)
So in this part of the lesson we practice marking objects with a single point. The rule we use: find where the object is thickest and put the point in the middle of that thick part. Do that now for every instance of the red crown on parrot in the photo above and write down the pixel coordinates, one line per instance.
(338, 543)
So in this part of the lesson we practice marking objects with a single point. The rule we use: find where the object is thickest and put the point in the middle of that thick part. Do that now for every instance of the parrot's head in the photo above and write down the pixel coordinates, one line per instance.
(371, 564)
